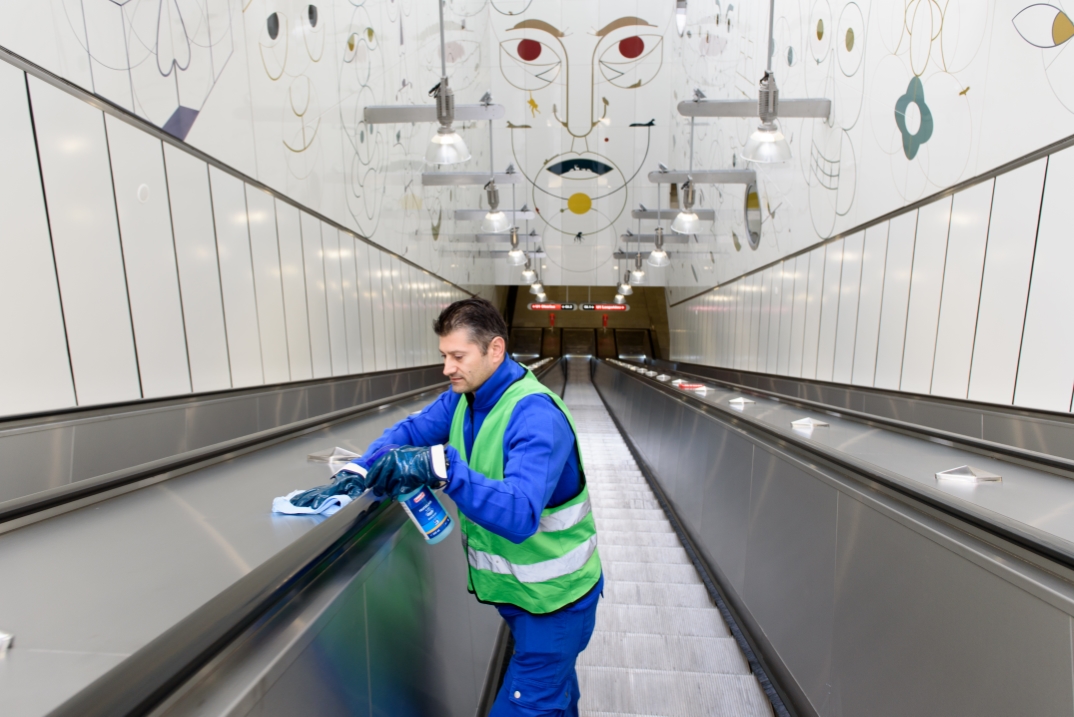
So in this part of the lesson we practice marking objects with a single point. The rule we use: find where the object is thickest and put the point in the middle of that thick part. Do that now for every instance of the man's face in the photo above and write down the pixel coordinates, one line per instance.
(464, 362)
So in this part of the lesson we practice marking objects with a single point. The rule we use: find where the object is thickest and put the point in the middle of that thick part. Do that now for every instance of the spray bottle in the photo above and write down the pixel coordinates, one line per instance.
(425, 509)
(422, 505)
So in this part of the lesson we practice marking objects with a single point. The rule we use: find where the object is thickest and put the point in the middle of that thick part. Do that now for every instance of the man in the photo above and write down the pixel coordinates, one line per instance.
(515, 472)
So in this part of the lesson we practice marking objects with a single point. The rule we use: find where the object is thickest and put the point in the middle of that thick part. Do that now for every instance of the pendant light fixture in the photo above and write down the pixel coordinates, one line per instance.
(767, 144)
(619, 299)
(624, 286)
(680, 16)
(528, 274)
(637, 276)
(687, 222)
(515, 257)
(495, 221)
(658, 257)
(447, 146)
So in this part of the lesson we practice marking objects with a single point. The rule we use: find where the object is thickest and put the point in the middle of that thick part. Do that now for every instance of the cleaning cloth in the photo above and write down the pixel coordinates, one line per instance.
(348, 483)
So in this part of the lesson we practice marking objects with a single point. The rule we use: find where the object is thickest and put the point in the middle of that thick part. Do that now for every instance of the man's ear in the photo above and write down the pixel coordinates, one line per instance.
(497, 348)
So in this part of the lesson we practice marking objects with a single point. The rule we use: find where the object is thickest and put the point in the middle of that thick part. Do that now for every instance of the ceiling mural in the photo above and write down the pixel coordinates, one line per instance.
(923, 96)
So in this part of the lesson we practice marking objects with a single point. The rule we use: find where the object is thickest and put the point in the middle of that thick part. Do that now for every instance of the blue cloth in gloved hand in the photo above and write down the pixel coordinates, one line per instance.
(407, 468)
(348, 483)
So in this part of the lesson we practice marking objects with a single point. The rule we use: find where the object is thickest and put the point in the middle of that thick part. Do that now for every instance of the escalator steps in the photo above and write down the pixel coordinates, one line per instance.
(660, 647)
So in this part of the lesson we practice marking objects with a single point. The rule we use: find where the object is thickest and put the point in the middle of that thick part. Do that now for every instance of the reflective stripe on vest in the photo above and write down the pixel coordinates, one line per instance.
(566, 518)
(537, 572)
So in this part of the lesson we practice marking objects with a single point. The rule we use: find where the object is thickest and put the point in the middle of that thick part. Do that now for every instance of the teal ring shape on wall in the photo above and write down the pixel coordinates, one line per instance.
(915, 92)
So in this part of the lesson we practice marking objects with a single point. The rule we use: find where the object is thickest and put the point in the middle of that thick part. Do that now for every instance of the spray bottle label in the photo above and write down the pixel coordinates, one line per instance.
(427, 513)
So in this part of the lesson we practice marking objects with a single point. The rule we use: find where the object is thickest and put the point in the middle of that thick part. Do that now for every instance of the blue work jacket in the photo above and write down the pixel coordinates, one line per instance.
(540, 457)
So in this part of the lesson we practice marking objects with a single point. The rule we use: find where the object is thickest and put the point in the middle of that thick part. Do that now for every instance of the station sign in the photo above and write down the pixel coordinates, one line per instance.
(551, 307)
(605, 307)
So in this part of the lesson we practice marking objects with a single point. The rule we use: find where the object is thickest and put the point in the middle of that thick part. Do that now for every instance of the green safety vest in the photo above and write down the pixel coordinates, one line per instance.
(554, 567)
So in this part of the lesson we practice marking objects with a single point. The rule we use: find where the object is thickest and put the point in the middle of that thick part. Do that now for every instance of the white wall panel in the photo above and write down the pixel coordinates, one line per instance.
(236, 278)
(1012, 236)
(926, 284)
(829, 314)
(268, 285)
(774, 321)
(337, 321)
(739, 292)
(293, 273)
(350, 302)
(765, 319)
(755, 319)
(814, 294)
(847, 324)
(798, 316)
(199, 270)
(870, 299)
(1046, 366)
(149, 259)
(900, 260)
(36, 377)
(379, 308)
(961, 290)
(786, 315)
(391, 314)
(316, 302)
(365, 306)
(85, 240)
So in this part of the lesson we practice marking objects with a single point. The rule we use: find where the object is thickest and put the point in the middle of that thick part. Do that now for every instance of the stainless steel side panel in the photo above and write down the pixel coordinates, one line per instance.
(862, 601)
(53, 451)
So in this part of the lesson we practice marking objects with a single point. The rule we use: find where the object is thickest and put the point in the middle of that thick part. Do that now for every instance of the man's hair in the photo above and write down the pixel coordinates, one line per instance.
(478, 316)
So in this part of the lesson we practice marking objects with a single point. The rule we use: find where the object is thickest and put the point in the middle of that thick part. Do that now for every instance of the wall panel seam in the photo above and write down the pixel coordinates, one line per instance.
(175, 253)
(123, 258)
(51, 244)
(909, 296)
(219, 277)
(943, 282)
(980, 289)
(1029, 286)
(253, 281)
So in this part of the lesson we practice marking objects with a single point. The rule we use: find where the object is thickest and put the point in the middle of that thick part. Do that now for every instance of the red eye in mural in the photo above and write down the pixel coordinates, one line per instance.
(529, 50)
(529, 64)
(631, 47)
(632, 61)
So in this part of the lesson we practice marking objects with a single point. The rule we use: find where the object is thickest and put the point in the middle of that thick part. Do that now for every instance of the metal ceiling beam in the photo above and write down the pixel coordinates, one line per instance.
(504, 238)
(466, 215)
(705, 215)
(669, 238)
(820, 107)
(705, 176)
(463, 179)
(405, 114)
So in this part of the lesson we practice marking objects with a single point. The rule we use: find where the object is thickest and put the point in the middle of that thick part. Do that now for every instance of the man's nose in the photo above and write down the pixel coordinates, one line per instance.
(579, 111)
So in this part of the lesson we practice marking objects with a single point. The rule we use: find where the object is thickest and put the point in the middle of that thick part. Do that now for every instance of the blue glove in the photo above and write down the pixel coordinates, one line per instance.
(406, 469)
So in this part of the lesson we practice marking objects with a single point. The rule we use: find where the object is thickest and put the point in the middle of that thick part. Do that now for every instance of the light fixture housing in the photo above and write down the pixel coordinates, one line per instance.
(495, 221)
(637, 275)
(446, 146)
(542, 297)
(537, 288)
(767, 145)
(687, 221)
(624, 286)
(619, 299)
(515, 257)
(528, 274)
(680, 16)
(658, 257)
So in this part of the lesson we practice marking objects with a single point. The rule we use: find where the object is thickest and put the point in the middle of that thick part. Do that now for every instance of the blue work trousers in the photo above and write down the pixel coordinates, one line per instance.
(541, 681)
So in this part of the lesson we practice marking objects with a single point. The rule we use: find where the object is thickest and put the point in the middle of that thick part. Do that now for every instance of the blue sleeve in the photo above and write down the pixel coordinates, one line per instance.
(537, 444)
(430, 427)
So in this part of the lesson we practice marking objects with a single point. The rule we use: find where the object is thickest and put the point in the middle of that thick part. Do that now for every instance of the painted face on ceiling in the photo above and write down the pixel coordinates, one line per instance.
(576, 89)
(287, 75)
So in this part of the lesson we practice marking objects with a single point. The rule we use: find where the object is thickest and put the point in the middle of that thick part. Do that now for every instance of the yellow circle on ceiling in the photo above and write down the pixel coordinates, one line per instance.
(579, 203)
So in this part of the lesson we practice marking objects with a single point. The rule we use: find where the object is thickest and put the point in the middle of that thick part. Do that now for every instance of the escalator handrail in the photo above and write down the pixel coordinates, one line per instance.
(1034, 540)
(141, 681)
(1064, 467)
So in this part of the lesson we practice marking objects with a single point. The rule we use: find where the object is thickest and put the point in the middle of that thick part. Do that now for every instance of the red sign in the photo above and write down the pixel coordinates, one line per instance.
(551, 307)
(605, 307)
(691, 386)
